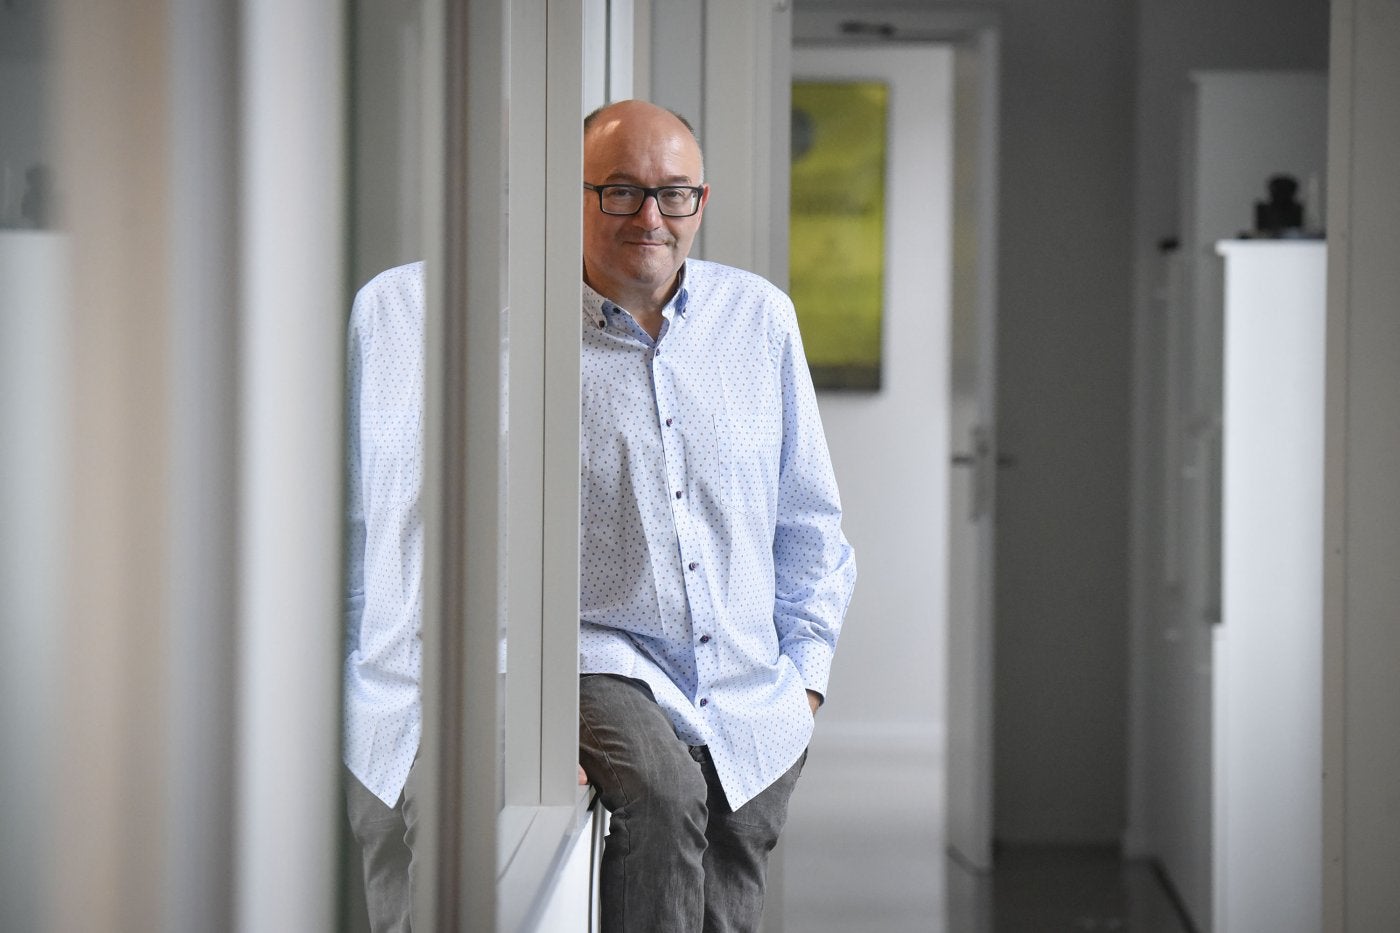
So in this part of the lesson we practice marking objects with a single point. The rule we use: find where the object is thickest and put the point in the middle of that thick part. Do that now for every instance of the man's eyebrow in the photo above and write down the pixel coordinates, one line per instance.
(624, 178)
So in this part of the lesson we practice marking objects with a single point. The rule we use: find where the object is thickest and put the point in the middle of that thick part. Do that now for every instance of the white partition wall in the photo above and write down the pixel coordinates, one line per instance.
(1363, 448)
(724, 65)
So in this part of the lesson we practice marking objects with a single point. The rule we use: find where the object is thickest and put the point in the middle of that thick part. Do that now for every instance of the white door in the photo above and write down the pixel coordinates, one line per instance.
(971, 515)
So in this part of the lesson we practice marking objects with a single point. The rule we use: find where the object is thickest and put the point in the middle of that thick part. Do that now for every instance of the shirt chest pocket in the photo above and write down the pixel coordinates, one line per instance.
(392, 454)
(749, 421)
(749, 446)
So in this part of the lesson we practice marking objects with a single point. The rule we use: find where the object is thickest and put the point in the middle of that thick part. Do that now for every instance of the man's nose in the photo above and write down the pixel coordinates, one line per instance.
(650, 211)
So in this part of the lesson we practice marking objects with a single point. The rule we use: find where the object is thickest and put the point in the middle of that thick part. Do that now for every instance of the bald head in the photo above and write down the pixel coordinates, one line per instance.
(627, 116)
(619, 109)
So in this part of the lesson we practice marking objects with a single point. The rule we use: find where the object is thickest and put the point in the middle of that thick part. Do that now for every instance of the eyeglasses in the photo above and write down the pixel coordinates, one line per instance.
(625, 200)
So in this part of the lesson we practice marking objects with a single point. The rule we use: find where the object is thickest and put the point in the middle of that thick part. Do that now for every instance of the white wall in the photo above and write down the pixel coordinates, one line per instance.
(1061, 680)
(386, 126)
(1091, 124)
(1361, 741)
(890, 448)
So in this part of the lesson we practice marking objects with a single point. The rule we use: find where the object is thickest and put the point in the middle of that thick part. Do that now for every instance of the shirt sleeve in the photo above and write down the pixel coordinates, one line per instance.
(383, 520)
(384, 533)
(814, 565)
(354, 488)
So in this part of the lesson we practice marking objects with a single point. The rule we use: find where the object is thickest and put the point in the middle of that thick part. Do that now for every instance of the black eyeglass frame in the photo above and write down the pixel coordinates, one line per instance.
(696, 192)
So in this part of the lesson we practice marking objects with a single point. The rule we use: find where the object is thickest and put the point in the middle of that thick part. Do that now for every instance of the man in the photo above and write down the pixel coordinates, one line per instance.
(384, 600)
(714, 574)
(384, 603)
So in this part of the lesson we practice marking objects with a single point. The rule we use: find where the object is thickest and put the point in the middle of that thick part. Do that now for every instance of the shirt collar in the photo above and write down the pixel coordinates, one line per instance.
(598, 309)
(682, 297)
(595, 307)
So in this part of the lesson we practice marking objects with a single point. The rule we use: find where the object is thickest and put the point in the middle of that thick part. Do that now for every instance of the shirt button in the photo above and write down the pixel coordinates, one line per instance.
(668, 422)
(692, 565)
(602, 324)
(678, 493)
(704, 702)
(704, 639)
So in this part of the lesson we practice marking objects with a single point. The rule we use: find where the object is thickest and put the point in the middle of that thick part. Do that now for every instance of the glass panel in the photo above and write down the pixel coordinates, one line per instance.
(31, 381)
(385, 424)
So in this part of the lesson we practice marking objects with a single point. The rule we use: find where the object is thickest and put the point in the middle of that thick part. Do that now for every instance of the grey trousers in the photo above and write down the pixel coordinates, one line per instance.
(386, 836)
(677, 859)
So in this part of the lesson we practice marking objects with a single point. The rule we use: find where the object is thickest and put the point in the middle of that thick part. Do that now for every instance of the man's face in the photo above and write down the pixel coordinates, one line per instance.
(634, 260)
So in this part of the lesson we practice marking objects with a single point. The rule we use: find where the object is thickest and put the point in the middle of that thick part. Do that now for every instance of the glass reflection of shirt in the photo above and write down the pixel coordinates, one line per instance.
(384, 602)
(713, 566)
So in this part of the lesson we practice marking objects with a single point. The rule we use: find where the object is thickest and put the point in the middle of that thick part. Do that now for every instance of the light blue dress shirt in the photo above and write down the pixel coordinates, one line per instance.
(384, 546)
(713, 565)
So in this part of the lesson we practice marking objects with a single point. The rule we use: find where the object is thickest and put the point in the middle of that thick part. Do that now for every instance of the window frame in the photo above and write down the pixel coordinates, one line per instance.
(501, 479)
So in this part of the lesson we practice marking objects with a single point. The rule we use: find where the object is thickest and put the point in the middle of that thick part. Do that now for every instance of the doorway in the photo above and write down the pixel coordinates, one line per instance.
(874, 782)
(929, 758)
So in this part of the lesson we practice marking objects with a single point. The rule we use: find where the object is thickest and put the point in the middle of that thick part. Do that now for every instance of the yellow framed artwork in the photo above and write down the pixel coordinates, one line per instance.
(837, 228)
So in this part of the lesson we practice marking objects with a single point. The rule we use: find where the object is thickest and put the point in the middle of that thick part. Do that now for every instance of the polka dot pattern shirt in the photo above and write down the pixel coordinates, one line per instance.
(713, 565)
(384, 546)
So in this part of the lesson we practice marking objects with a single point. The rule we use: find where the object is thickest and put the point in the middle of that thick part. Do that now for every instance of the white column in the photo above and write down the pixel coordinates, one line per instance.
(293, 306)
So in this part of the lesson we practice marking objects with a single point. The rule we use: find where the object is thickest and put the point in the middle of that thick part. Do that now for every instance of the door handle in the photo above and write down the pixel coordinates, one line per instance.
(966, 460)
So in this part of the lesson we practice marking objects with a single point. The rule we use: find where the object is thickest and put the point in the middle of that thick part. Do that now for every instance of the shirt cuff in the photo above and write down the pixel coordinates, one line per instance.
(813, 662)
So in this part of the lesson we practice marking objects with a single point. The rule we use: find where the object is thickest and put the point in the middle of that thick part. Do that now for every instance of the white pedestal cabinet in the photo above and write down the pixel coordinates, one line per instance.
(1267, 672)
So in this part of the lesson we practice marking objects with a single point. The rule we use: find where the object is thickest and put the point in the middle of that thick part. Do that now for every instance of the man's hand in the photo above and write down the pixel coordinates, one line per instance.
(815, 699)
(582, 778)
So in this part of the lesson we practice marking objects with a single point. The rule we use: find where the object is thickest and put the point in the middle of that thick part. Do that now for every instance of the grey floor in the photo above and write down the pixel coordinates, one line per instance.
(863, 852)
(1044, 888)
(1031, 890)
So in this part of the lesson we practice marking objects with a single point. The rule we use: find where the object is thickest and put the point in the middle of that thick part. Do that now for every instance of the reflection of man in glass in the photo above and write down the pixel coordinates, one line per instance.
(714, 574)
(384, 608)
